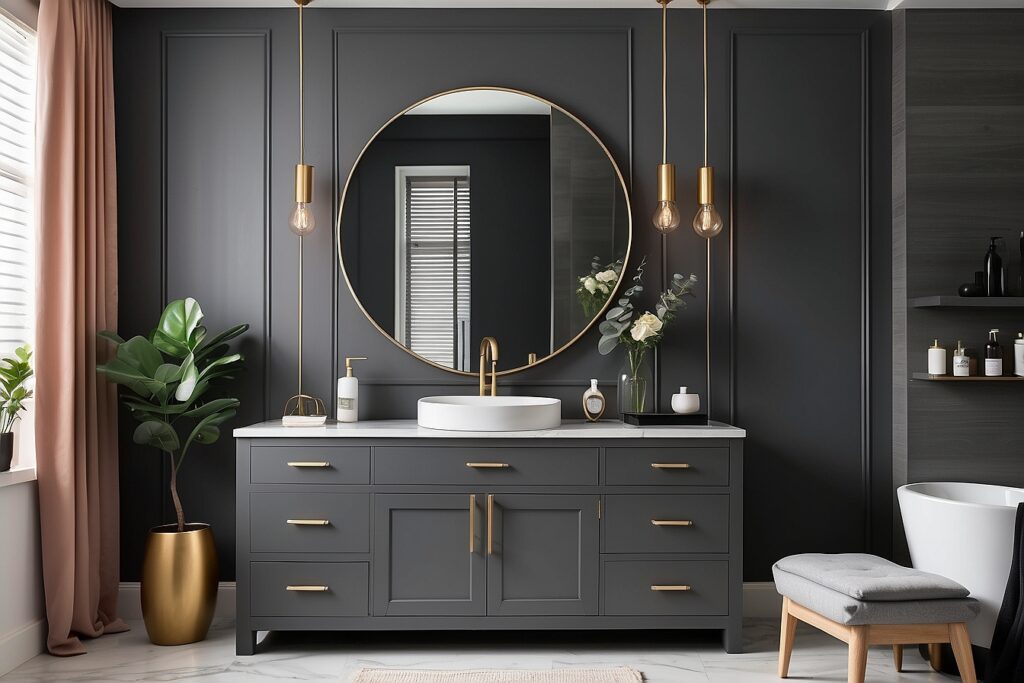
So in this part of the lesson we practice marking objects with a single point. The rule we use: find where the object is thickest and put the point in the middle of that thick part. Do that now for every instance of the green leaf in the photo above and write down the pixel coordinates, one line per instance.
(177, 325)
(213, 406)
(189, 377)
(119, 372)
(140, 353)
(203, 429)
(615, 312)
(157, 434)
(219, 339)
(110, 336)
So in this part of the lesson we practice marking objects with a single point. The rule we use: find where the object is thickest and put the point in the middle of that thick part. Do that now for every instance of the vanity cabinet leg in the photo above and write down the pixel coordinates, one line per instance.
(732, 639)
(245, 642)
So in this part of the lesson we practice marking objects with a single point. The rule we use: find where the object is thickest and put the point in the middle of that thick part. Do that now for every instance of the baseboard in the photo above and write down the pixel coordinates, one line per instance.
(760, 600)
(22, 644)
(129, 600)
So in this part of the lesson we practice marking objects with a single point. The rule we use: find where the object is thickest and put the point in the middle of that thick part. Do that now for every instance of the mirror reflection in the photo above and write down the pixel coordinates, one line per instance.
(484, 212)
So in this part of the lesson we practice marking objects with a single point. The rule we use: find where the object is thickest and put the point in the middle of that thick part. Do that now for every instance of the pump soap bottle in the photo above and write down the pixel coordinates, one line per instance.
(993, 356)
(593, 402)
(1018, 355)
(348, 393)
(961, 361)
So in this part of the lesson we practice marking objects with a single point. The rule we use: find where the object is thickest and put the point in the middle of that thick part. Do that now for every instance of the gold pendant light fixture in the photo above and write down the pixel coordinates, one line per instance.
(307, 409)
(666, 216)
(707, 222)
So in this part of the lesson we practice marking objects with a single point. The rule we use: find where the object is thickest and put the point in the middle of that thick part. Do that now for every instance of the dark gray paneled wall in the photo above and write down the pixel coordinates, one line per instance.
(799, 116)
(959, 159)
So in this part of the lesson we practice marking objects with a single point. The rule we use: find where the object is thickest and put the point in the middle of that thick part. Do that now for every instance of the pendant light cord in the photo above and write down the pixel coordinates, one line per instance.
(704, 7)
(302, 128)
(664, 87)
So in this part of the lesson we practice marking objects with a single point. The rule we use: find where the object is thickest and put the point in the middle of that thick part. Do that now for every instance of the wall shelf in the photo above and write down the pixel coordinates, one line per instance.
(944, 301)
(974, 378)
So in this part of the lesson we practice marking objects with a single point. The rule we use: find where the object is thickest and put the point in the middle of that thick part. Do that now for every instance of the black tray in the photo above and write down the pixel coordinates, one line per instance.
(656, 419)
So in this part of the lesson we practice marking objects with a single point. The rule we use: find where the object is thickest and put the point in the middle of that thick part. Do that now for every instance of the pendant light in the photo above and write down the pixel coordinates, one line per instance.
(707, 222)
(666, 216)
(307, 409)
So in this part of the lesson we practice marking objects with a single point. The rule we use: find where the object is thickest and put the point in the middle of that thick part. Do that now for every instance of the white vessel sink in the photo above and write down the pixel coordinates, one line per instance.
(488, 413)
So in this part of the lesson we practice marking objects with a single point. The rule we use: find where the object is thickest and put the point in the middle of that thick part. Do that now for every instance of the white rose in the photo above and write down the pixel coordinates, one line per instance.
(603, 287)
(590, 284)
(645, 326)
(606, 276)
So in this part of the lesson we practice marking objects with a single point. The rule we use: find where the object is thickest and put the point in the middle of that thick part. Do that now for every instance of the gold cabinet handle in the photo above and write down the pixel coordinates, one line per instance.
(670, 587)
(472, 523)
(309, 522)
(309, 463)
(672, 522)
(307, 589)
(487, 465)
(670, 465)
(490, 523)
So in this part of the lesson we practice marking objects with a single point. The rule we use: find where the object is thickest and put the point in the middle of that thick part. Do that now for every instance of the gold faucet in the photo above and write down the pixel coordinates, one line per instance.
(488, 350)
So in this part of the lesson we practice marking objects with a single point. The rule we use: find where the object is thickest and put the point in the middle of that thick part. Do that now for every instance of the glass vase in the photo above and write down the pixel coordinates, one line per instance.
(635, 384)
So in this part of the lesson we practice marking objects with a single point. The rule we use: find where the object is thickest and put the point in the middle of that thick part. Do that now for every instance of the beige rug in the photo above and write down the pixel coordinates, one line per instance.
(620, 674)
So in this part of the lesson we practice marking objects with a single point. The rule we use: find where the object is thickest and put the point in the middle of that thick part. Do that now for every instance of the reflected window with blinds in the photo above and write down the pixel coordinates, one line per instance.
(17, 159)
(432, 307)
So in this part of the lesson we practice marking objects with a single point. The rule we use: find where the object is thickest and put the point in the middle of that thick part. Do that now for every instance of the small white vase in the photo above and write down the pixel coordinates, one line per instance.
(684, 403)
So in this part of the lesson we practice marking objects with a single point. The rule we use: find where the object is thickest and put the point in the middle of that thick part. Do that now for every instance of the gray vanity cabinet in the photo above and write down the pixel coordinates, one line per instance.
(544, 555)
(583, 529)
(428, 555)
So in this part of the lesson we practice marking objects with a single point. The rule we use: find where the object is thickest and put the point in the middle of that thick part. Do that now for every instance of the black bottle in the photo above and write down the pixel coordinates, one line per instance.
(993, 270)
(976, 288)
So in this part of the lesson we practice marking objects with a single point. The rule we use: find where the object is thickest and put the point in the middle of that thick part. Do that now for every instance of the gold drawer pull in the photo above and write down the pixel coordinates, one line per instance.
(488, 465)
(672, 522)
(307, 589)
(490, 523)
(309, 463)
(670, 587)
(472, 523)
(309, 522)
(670, 465)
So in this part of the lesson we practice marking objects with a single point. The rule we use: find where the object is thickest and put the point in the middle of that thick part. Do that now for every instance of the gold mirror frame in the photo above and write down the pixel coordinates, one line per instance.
(568, 344)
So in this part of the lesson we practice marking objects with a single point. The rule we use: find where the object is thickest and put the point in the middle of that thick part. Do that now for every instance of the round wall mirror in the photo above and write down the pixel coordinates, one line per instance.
(484, 212)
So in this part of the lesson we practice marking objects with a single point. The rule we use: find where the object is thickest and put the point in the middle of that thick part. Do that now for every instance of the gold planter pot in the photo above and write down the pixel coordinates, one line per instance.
(179, 583)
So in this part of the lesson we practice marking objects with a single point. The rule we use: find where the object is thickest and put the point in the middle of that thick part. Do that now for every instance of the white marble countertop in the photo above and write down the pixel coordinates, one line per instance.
(408, 429)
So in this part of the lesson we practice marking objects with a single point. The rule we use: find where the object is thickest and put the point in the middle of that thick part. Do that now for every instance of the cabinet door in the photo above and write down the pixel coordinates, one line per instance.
(542, 554)
(428, 555)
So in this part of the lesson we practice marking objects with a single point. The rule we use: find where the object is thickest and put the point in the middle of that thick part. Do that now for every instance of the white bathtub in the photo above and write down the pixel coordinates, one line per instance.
(964, 532)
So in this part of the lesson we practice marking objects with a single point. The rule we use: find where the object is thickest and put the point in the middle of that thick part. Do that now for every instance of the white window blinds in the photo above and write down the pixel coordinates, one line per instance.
(434, 298)
(17, 159)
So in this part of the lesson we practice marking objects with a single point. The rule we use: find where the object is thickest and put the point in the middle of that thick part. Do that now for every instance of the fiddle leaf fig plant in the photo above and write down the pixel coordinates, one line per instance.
(167, 377)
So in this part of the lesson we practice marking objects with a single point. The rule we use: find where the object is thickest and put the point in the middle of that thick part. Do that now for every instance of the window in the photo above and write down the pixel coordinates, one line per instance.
(433, 262)
(17, 159)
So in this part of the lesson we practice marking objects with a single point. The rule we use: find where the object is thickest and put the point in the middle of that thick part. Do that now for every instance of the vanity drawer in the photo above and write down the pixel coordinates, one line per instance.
(294, 522)
(309, 589)
(629, 523)
(628, 587)
(667, 466)
(309, 464)
(486, 466)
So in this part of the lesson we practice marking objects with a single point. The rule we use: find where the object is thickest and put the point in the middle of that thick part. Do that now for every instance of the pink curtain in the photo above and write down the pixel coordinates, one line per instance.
(76, 412)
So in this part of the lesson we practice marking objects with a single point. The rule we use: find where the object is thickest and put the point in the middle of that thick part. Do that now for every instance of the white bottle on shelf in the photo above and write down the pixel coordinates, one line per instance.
(936, 359)
(348, 393)
(1018, 355)
(961, 361)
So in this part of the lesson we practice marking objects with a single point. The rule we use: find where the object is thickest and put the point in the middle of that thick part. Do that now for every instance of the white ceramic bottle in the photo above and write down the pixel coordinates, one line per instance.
(961, 361)
(936, 359)
(348, 393)
(593, 402)
(1018, 355)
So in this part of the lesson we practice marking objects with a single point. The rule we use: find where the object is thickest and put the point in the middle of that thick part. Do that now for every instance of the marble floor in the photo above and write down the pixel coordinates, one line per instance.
(679, 657)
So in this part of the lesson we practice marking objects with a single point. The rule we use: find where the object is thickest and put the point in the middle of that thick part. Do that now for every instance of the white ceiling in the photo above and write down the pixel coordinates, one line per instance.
(591, 4)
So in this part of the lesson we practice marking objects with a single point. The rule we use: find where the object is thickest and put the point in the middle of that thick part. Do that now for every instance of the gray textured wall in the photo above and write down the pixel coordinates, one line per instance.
(959, 174)
(799, 116)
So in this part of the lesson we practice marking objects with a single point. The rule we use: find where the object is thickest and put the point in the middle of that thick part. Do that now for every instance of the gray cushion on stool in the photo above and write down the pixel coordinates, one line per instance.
(821, 584)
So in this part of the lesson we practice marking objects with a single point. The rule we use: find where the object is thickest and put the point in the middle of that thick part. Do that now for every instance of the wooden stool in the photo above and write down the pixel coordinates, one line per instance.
(864, 600)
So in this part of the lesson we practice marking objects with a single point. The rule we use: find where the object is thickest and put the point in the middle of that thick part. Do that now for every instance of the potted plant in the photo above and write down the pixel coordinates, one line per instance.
(14, 373)
(639, 333)
(167, 379)
(595, 287)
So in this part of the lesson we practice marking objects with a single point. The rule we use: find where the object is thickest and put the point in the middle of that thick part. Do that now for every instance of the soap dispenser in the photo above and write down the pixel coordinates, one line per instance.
(593, 402)
(348, 393)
